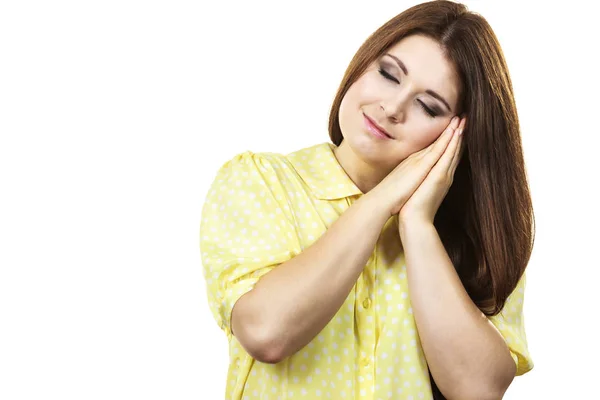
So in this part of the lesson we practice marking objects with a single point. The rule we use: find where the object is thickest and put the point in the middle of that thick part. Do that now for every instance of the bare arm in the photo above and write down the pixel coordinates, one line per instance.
(292, 303)
(467, 356)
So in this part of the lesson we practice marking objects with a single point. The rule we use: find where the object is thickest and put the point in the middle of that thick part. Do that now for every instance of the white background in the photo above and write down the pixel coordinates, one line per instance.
(114, 117)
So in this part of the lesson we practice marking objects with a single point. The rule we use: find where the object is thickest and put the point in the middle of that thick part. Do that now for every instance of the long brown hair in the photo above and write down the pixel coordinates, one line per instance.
(486, 220)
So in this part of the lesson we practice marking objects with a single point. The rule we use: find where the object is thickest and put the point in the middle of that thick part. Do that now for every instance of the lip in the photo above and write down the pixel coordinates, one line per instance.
(376, 129)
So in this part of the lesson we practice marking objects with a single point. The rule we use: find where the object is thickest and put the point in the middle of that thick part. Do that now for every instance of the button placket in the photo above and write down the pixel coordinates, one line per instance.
(366, 303)
(365, 363)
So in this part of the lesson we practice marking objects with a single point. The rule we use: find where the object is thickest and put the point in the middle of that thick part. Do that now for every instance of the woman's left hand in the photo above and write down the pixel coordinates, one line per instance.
(425, 201)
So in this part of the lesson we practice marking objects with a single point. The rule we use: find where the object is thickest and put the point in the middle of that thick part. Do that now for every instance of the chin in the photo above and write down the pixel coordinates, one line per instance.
(367, 149)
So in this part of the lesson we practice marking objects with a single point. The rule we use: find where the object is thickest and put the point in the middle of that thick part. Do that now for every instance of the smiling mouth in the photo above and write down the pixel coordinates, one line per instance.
(375, 129)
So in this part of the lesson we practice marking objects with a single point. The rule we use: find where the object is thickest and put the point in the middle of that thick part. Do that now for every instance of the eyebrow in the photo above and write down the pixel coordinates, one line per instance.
(428, 91)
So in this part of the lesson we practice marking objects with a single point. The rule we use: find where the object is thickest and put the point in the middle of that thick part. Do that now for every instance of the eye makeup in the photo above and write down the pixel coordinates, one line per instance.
(384, 72)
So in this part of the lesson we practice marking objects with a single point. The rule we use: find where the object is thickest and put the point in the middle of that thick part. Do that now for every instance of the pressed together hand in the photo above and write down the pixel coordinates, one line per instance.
(417, 186)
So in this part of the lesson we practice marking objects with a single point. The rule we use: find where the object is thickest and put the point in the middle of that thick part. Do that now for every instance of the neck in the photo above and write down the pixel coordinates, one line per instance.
(365, 176)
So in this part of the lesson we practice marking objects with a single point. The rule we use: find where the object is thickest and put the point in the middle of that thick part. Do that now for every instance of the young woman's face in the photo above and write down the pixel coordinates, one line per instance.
(402, 102)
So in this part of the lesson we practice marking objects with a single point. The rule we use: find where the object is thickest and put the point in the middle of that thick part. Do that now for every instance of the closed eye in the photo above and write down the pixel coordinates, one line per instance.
(388, 76)
(428, 110)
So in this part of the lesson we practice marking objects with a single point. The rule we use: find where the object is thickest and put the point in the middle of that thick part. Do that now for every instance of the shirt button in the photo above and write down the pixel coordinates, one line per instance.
(367, 303)
(365, 362)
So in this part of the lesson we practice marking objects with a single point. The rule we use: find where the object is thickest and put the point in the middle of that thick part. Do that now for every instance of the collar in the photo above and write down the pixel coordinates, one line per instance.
(321, 171)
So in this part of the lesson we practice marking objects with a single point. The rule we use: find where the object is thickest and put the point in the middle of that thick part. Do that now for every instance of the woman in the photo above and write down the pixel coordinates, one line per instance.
(388, 263)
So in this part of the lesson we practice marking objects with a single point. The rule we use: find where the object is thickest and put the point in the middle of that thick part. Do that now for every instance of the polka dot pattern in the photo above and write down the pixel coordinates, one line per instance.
(263, 209)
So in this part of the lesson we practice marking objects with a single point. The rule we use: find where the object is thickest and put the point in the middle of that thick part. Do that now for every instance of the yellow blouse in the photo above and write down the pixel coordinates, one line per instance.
(263, 209)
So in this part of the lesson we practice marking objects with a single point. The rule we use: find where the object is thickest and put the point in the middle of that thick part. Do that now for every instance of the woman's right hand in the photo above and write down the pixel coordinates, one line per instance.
(397, 187)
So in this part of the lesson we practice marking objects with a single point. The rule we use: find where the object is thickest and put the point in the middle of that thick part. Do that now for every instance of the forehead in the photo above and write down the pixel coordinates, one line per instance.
(427, 66)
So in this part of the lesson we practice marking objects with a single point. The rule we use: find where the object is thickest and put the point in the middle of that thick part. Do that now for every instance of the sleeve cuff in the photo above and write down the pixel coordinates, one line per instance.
(523, 364)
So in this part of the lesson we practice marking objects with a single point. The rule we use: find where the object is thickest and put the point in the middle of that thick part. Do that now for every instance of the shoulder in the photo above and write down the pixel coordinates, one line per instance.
(248, 175)
(250, 161)
(268, 167)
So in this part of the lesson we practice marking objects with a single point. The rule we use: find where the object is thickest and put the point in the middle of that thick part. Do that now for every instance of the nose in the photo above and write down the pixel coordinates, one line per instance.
(394, 107)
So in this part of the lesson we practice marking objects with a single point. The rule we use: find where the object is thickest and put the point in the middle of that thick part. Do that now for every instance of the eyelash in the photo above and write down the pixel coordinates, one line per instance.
(386, 75)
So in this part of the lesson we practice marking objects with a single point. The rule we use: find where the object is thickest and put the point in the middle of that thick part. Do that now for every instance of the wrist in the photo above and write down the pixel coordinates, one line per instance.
(378, 206)
(411, 225)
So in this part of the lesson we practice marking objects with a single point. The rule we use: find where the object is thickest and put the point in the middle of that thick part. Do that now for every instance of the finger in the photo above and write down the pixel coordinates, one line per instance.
(441, 143)
(461, 147)
(445, 162)
(457, 154)
(462, 123)
(432, 153)
(446, 135)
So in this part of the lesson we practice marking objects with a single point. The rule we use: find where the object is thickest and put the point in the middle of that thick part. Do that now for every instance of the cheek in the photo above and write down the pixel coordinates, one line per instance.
(424, 136)
(352, 103)
(364, 91)
(346, 112)
(367, 90)
(344, 105)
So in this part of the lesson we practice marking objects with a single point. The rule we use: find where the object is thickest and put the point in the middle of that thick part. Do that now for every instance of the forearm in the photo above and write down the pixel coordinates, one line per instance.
(467, 356)
(299, 297)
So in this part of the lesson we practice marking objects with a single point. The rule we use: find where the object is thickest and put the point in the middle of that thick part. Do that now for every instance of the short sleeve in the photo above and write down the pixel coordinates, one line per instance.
(511, 324)
(244, 231)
